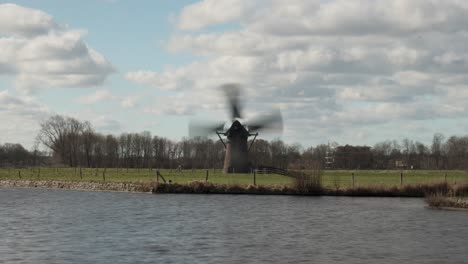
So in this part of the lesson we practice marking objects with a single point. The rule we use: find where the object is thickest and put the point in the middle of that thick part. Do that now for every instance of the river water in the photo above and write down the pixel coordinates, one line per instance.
(63, 226)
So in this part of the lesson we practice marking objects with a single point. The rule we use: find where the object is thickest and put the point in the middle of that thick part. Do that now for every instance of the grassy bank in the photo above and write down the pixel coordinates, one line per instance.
(330, 178)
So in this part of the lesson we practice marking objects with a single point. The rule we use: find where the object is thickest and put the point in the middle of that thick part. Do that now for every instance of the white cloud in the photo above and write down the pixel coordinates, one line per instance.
(20, 116)
(161, 81)
(103, 96)
(361, 17)
(333, 66)
(42, 53)
(211, 12)
(198, 75)
(106, 124)
(21, 106)
(179, 104)
(19, 20)
(129, 101)
(96, 97)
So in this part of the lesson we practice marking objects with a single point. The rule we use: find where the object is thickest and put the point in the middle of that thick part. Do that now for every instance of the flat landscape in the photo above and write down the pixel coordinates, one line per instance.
(330, 178)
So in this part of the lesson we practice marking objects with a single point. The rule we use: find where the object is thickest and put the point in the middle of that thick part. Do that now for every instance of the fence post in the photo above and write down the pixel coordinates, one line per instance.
(19, 174)
(206, 178)
(255, 177)
(81, 174)
(445, 175)
(352, 174)
(162, 177)
(401, 178)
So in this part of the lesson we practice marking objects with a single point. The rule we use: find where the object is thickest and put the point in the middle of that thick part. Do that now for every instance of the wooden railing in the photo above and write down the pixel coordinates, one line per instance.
(273, 170)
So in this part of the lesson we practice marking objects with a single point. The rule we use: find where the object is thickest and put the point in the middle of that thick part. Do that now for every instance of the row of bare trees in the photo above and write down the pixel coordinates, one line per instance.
(450, 153)
(16, 155)
(75, 143)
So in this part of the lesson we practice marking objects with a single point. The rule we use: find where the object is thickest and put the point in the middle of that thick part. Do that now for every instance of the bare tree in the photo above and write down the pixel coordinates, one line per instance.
(436, 149)
(88, 139)
(53, 134)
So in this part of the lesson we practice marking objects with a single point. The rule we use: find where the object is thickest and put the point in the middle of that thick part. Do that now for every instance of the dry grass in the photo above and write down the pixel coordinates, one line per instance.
(306, 187)
(444, 201)
(410, 190)
(309, 182)
(452, 198)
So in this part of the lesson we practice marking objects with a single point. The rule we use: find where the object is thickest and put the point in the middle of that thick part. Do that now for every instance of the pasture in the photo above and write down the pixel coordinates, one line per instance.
(330, 178)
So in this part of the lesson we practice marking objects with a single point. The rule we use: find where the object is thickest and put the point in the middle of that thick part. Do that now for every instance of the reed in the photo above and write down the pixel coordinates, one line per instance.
(444, 201)
(304, 187)
(452, 198)
(309, 182)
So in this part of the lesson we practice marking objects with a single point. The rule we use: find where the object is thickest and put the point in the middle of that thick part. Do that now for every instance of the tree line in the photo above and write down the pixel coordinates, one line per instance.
(75, 143)
(16, 155)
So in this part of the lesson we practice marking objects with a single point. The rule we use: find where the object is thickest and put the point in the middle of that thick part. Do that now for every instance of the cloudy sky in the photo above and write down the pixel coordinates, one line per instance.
(355, 72)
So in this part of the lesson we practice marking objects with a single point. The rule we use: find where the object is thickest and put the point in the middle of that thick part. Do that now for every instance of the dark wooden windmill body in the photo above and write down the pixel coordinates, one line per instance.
(236, 159)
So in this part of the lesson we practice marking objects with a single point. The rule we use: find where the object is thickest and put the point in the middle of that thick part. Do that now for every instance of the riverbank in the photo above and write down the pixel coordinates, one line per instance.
(419, 190)
(80, 185)
(329, 178)
(416, 190)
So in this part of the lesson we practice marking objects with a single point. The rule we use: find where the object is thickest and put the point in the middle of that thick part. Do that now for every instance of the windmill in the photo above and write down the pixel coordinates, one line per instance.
(237, 131)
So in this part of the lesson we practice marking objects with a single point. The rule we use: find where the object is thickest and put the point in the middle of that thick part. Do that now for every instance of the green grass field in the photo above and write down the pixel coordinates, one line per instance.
(330, 178)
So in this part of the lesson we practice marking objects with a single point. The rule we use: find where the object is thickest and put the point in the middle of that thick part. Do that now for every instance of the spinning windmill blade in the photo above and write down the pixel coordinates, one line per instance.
(232, 92)
(197, 129)
(271, 122)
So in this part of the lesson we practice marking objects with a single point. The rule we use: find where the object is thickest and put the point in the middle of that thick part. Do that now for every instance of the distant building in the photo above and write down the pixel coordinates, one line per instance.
(329, 157)
(400, 164)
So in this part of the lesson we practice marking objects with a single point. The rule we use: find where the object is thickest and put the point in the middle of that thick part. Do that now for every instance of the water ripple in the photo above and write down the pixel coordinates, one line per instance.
(57, 226)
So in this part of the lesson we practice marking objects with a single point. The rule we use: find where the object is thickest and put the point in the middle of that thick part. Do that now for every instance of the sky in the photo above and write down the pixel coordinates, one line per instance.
(353, 72)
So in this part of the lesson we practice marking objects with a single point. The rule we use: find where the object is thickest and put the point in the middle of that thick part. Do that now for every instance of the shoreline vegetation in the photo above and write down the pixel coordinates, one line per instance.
(441, 189)
(447, 201)
(434, 192)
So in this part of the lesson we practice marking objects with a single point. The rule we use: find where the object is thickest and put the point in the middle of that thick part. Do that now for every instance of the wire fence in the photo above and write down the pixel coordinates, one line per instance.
(263, 176)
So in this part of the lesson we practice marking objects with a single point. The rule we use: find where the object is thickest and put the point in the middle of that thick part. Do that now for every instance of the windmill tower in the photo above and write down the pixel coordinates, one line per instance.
(236, 158)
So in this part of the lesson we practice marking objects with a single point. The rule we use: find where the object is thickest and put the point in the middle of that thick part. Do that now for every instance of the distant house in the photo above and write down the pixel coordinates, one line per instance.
(400, 164)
